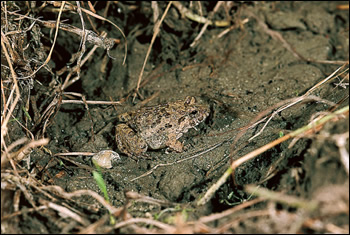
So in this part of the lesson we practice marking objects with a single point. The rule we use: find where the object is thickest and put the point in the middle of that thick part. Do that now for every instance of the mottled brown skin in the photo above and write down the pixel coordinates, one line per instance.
(158, 126)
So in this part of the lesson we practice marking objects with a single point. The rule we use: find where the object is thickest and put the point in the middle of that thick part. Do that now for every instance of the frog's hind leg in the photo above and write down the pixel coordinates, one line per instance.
(128, 142)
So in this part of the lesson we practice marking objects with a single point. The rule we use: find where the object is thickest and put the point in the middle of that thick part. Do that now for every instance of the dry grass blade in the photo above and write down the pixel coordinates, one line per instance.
(15, 101)
(53, 44)
(217, 6)
(23, 152)
(155, 33)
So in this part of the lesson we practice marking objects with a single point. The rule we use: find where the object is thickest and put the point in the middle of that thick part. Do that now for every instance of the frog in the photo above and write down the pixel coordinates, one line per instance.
(159, 126)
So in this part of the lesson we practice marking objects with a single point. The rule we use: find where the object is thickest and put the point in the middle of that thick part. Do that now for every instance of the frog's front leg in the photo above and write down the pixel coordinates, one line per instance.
(174, 144)
(129, 142)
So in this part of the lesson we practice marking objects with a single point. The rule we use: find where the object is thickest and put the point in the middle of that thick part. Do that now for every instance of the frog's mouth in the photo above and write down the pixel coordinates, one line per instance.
(197, 121)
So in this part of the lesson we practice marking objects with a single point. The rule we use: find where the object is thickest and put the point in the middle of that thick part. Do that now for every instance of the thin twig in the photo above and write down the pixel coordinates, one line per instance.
(185, 12)
(65, 212)
(182, 160)
(293, 201)
(217, 216)
(204, 28)
(78, 193)
(341, 140)
(159, 224)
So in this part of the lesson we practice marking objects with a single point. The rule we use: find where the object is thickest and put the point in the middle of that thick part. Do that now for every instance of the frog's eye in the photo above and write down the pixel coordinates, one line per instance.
(194, 112)
(189, 100)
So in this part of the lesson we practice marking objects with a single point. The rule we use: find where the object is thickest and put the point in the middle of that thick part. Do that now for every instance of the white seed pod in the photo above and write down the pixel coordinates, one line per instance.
(104, 158)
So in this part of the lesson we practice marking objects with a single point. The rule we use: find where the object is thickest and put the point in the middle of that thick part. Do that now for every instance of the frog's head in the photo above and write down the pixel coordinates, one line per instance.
(195, 113)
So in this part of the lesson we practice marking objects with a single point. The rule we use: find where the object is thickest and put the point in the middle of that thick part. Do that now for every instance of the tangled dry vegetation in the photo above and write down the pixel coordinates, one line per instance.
(35, 89)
